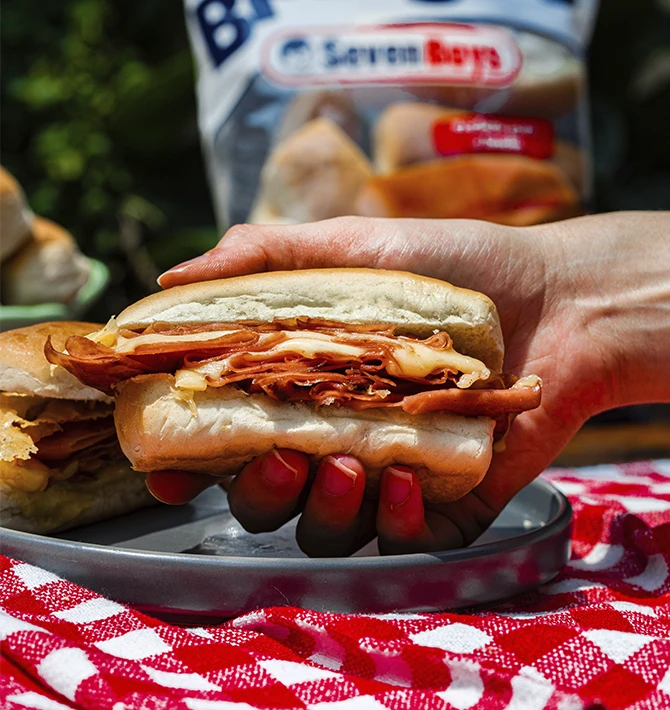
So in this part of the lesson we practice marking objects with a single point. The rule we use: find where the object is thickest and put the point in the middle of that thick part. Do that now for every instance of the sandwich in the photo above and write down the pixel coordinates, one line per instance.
(388, 366)
(60, 461)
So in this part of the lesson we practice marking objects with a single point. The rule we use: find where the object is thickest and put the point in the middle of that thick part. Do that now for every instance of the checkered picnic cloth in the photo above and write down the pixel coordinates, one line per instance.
(597, 636)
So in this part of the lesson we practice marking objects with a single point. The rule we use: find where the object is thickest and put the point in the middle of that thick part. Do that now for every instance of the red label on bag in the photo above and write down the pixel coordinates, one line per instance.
(489, 133)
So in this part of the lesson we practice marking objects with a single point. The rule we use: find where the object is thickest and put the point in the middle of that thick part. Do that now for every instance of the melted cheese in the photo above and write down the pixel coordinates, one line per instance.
(125, 345)
(527, 381)
(409, 359)
(192, 379)
(310, 345)
(108, 335)
(418, 360)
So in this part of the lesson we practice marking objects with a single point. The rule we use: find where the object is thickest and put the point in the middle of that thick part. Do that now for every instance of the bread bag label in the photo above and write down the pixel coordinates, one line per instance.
(311, 109)
(421, 53)
(490, 133)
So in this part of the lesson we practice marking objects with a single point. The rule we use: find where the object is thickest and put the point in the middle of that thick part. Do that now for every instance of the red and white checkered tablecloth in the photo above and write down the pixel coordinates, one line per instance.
(597, 636)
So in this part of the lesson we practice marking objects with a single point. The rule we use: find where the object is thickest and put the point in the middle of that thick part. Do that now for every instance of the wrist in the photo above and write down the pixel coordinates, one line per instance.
(613, 276)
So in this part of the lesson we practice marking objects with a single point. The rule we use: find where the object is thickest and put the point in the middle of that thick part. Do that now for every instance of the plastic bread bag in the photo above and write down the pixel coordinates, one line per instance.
(310, 109)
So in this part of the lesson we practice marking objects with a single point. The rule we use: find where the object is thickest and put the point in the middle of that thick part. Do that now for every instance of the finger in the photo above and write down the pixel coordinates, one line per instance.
(177, 487)
(335, 522)
(401, 524)
(405, 525)
(266, 494)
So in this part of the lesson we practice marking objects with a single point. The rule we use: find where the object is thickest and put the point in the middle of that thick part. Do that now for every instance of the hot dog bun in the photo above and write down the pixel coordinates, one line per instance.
(158, 431)
(506, 189)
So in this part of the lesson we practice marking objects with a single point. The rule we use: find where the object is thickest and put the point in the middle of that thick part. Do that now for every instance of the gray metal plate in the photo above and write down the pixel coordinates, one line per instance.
(195, 564)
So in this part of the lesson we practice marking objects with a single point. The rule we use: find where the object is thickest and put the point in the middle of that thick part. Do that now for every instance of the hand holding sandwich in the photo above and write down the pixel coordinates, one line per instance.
(583, 303)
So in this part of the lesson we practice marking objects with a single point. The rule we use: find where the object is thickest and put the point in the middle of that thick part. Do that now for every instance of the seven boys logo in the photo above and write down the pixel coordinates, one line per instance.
(417, 53)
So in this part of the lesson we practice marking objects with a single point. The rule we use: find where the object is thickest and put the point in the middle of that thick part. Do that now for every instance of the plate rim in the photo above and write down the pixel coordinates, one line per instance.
(561, 520)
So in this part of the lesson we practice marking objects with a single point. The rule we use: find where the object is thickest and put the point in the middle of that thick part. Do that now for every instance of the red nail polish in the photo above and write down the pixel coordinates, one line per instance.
(177, 487)
(276, 471)
(336, 478)
(398, 486)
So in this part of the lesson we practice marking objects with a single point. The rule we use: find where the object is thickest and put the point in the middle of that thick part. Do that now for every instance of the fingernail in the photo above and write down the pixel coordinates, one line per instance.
(276, 471)
(176, 487)
(186, 265)
(337, 479)
(398, 485)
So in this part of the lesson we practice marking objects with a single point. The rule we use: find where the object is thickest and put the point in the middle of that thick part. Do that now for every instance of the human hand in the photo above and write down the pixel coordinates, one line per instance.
(558, 321)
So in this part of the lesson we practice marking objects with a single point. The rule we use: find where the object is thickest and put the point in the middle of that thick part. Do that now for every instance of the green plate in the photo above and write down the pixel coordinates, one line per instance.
(18, 316)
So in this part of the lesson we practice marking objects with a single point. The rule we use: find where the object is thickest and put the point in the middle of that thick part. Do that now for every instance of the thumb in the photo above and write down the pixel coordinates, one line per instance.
(464, 252)
(248, 248)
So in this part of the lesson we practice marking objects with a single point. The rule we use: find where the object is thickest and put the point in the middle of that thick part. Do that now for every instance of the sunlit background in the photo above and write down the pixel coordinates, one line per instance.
(99, 125)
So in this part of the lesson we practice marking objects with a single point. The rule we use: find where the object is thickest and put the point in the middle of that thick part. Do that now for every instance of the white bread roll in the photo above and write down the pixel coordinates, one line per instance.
(550, 84)
(221, 429)
(313, 174)
(403, 136)
(15, 215)
(308, 105)
(25, 370)
(417, 305)
(49, 268)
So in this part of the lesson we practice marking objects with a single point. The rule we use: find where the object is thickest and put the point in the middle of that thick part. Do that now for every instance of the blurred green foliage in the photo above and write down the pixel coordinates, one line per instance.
(99, 125)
